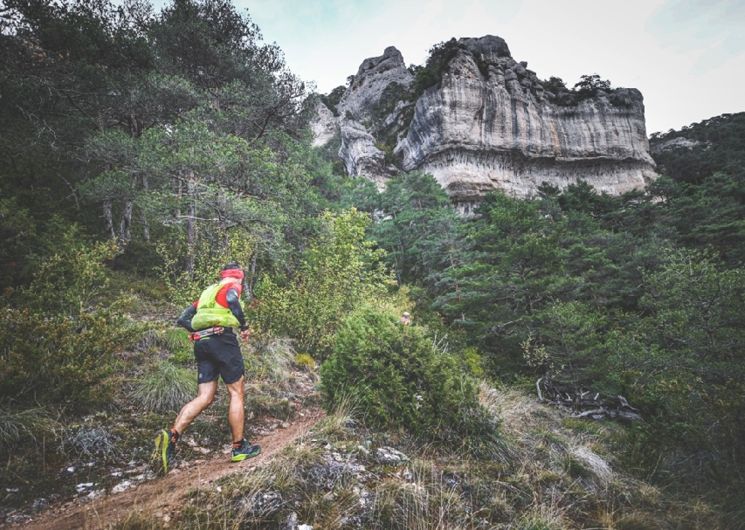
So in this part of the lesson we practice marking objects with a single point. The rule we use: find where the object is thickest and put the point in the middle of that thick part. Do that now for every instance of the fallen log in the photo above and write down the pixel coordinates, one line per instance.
(582, 405)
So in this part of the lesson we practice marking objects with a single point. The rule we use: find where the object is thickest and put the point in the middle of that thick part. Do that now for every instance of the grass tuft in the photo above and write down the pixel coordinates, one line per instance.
(138, 521)
(427, 502)
(16, 425)
(305, 362)
(164, 388)
(270, 358)
(336, 425)
(169, 342)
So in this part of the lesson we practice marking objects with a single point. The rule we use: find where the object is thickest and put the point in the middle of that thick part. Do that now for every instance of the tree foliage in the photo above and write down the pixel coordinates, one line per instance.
(338, 270)
(639, 295)
(588, 85)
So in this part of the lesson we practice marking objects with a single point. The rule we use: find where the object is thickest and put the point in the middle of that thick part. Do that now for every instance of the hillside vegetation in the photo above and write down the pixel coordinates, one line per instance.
(143, 149)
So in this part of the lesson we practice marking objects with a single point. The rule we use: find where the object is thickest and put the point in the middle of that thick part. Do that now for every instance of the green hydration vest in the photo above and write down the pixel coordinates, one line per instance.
(210, 313)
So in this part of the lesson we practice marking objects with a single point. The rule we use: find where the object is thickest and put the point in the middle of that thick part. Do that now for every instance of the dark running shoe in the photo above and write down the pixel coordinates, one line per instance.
(165, 448)
(246, 450)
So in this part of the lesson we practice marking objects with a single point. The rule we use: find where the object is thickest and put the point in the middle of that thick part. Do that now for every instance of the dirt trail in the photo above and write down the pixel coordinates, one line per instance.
(166, 495)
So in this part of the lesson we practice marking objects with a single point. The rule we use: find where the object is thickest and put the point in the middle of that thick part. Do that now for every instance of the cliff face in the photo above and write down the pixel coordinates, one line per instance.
(362, 114)
(491, 123)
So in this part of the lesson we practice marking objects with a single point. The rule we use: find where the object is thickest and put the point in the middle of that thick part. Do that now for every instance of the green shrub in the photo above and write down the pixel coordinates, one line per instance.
(75, 272)
(338, 269)
(401, 380)
(165, 388)
(177, 342)
(331, 100)
(473, 361)
(56, 338)
(58, 359)
(430, 74)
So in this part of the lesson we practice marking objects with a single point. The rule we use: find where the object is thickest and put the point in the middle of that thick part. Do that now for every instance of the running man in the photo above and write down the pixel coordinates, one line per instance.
(210, 322)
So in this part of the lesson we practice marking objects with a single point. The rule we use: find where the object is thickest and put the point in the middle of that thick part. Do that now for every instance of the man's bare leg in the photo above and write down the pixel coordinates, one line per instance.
(205, 397)
(235, 409)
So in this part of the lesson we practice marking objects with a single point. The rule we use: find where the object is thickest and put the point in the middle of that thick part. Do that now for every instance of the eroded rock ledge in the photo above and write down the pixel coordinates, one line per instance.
(489, 123)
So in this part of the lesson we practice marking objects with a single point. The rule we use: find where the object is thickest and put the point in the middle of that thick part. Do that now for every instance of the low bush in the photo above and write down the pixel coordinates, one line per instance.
(58, 336)
(57, 359)
(400, 379)
(71, 279)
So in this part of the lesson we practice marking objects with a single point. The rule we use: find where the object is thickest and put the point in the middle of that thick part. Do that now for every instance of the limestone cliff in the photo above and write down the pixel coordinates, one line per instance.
(489, 122)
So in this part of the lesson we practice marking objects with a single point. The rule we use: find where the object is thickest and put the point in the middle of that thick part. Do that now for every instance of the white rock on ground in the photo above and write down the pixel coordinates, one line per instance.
(595, 463)
(390, 456)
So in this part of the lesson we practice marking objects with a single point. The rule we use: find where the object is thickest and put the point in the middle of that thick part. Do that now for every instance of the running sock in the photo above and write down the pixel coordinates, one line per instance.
(175, 435)
(238, 444)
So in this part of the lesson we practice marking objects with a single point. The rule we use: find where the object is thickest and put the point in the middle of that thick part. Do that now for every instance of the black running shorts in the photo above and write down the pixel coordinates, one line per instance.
(219, 355)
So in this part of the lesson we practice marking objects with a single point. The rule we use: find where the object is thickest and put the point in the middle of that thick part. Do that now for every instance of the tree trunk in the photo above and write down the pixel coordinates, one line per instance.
(143, 214)
(109, 218)
(221, 214)
(248, 280)
(125, 226)
(179, 186)
(191, 223)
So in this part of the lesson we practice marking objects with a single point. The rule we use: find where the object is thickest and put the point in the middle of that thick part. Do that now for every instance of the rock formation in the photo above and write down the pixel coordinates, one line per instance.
(487, 122)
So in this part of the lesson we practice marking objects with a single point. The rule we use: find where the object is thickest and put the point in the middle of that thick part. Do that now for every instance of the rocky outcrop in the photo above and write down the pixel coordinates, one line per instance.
(676, 143)
(491, 123)
(374, 77)
(360, 154)
(323, 125)
(364, 115)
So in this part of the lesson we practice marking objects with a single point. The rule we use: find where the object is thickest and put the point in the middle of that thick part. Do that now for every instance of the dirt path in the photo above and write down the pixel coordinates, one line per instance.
(165, 495)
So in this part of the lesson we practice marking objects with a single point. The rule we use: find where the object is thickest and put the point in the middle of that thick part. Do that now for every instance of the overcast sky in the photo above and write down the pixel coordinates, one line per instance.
(686, 56)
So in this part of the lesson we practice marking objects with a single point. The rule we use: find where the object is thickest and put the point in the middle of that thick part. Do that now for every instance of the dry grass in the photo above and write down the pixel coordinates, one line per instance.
(425, 502)
(559, 474)
(336, 425)
(270, 359)
(139, 521)
(568, 469)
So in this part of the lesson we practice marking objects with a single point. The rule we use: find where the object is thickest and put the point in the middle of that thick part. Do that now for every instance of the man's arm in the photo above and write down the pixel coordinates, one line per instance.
(185, 319)
(235, 307)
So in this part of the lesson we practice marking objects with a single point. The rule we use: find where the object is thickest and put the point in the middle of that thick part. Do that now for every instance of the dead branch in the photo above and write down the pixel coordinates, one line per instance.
(584, 404)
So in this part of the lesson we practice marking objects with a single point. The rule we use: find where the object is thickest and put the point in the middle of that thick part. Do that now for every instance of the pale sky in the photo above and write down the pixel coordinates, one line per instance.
(686, 56)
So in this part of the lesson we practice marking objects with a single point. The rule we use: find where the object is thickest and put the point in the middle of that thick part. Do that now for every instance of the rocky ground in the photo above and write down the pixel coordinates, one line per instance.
(163, 498)
(553, 472)
(103, 461)
(321, 471)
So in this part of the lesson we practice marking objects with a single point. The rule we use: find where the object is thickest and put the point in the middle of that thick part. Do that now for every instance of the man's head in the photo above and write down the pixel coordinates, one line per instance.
(231, 270)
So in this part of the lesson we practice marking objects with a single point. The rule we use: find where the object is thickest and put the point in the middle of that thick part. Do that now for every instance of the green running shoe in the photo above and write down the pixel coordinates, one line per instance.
(246, 450)
(165, 449)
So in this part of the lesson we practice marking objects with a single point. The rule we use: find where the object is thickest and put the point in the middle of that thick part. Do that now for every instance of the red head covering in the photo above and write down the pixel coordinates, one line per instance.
(232, 273)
